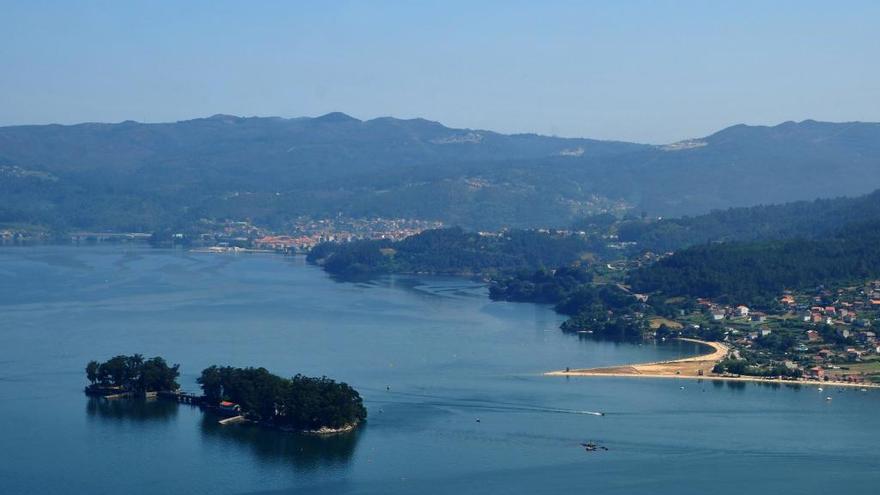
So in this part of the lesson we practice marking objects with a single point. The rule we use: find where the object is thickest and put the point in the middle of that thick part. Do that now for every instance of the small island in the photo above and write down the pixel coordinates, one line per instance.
(131, 376)
(302, 403)
(254, 395)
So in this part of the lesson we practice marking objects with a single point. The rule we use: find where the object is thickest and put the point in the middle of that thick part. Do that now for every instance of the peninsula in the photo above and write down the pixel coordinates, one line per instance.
(703, 366)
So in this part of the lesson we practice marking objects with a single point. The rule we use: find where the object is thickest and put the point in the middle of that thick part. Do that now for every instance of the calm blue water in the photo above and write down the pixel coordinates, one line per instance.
(449, 356)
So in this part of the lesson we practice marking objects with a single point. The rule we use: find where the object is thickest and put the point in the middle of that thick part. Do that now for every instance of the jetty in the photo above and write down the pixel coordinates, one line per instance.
(233, 420)
(123, 395)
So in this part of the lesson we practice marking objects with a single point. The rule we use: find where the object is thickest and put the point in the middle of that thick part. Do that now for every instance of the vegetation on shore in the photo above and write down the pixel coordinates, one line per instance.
(744, 367)
(606, 311)
(453, 251)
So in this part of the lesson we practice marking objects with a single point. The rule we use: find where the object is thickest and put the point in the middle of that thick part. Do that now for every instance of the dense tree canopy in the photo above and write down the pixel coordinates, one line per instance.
(453, 251)
(300, 402)
(801, 219)
(604, 310)
(756, 273)
(134, 373)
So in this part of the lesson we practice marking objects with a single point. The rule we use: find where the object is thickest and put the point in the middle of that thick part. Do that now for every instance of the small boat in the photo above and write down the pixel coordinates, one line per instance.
(863, 389)
(820, 389)
(828, 398)
(593, 447)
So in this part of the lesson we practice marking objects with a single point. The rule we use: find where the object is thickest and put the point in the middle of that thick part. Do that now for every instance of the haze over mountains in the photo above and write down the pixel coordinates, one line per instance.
(141, 177)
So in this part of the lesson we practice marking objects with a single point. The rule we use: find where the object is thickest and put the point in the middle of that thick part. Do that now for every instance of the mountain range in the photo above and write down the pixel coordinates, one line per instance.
(140, 177)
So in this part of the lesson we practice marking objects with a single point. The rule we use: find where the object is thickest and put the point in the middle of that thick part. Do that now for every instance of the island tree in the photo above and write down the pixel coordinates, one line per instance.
(133, 374)
(301, 402)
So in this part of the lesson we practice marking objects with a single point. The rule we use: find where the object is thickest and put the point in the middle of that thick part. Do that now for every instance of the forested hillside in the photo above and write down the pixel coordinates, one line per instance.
(801, 219)
(452, 251)
(134, 176)
(756, 273)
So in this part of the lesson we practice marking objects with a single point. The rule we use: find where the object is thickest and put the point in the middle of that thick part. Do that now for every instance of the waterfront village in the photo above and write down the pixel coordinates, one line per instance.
(299, 236)
(305, 233)
(241, 235)
(822, 335)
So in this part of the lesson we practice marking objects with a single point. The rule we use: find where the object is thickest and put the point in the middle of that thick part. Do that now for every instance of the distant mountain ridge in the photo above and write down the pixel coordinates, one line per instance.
(134, 176)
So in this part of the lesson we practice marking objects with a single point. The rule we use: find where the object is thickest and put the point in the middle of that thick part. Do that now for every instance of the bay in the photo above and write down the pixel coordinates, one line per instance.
(431, 356)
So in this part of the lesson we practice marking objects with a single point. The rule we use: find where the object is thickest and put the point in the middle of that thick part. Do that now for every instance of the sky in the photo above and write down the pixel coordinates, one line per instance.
(645, 71)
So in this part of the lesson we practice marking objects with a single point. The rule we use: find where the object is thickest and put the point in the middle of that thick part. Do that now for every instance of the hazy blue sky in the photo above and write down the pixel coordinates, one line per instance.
(644, 71)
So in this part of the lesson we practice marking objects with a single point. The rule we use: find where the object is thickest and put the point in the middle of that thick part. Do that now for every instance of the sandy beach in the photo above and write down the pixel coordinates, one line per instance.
(697, 367)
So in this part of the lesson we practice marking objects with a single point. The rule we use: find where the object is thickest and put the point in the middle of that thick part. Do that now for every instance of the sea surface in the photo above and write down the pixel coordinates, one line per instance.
(452, 382)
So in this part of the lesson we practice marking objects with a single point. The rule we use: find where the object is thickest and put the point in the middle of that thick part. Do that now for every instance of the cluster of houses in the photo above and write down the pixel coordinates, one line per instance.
(835, 329)
(840, 313)
(12, 236)
(850, 311)
(305, 233)
(740, 312)
(286, 243)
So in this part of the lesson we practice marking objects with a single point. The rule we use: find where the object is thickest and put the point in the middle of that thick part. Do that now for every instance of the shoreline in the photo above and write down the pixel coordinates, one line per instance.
(322, 431)
(694, 368)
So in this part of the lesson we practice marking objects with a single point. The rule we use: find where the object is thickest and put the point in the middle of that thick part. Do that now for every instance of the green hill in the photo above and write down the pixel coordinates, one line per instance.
(135, 176)
(756, 273)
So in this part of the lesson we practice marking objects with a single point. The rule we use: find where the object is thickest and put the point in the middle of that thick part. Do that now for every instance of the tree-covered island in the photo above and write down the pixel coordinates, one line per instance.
(131, 375)
(301, 403)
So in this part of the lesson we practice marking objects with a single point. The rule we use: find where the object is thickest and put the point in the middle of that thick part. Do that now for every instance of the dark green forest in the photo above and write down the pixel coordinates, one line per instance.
(453, 251)
(134, 374)
(801, 219)
(301, 402)
(755, 273)
(606, 311)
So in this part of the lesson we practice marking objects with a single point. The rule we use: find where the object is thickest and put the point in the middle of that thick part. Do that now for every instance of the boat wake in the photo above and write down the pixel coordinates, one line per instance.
(481, 404)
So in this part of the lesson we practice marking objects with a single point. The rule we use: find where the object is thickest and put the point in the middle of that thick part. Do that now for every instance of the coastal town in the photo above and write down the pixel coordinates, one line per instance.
(305, 233)
(299, 236)
(823, 336)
